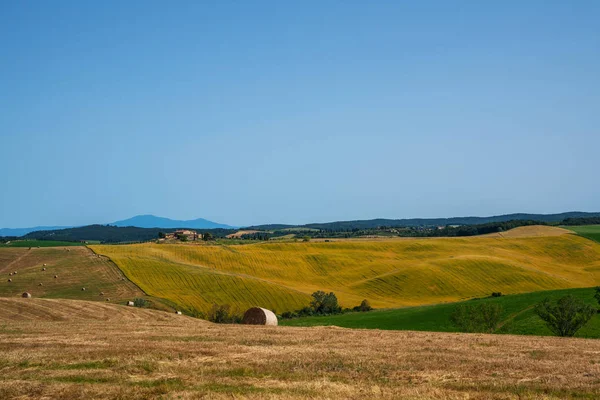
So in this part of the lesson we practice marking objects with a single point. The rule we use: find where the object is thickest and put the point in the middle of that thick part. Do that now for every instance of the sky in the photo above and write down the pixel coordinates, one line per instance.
(295, 112)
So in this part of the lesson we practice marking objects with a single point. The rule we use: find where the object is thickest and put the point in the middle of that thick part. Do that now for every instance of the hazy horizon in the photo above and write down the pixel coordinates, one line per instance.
(271, 112)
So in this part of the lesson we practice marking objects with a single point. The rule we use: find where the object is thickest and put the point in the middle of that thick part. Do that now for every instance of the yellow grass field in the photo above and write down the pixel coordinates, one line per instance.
(116, 352)
(389, 273)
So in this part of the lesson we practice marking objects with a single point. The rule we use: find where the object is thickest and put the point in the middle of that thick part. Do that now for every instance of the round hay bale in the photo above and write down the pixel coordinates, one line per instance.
(107, 299)
(101, 293)
(14, 273)
(259, 316)
(178, 312)
(9, 280)
(130, 303)
(83, 289)
(55, 276)
(45, 265)
(10, 274)
(43, 269)
(26, 295)
(41, 284)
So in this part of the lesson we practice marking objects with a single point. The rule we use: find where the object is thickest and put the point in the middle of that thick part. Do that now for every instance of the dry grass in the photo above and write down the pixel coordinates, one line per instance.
(143, 354)
(388, 272)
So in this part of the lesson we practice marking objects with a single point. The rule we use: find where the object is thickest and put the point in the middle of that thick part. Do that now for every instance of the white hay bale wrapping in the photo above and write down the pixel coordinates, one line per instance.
(130, 303)
(178, 312)
(26, 295)
(259, 316)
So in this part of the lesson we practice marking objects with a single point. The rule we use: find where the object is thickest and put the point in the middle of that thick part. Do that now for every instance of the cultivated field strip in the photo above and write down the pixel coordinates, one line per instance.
(389, 273)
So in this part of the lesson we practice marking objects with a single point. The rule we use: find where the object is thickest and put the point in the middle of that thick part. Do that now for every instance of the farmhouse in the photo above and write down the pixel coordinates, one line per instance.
(183, 233)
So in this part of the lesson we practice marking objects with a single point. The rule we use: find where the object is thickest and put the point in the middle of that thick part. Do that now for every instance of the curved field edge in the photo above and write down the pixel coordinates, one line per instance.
(389, 273)
(591, 232)
(518, 316)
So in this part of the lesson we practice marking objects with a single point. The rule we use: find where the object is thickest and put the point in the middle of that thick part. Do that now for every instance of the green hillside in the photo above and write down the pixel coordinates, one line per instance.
(518, 316)
(589, 231)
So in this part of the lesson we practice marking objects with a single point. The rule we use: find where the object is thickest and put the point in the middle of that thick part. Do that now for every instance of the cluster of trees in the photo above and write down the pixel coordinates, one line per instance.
(325, 304)
(581, 221)
(110, 234)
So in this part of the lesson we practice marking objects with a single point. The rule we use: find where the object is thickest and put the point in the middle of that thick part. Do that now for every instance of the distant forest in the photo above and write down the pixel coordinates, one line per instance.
(443, 227)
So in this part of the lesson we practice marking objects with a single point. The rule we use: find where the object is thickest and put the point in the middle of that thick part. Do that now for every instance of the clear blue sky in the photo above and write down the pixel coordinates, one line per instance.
(295, 112)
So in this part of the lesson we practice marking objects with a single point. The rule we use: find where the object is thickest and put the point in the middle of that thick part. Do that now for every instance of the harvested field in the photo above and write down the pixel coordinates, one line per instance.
(79, 267)
(145, 354)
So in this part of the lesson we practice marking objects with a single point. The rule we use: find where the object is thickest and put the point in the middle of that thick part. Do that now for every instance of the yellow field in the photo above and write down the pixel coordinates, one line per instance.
(389, 273)
(88, 350)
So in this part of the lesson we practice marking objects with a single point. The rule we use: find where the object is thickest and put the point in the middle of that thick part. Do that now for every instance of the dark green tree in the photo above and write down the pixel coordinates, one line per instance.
(566, 316)
(207, 236)
(325, 303)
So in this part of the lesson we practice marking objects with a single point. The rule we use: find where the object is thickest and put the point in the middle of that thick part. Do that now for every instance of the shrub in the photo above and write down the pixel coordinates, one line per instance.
(566, 316)
(222, 314)
(139, 302)
(496, 294)
(482, 317)
(364, 306)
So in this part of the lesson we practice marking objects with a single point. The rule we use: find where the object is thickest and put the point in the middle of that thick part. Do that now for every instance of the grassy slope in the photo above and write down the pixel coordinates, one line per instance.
(589, 231)
(125, 353)
(389, 273)
(518, 316)
(76, 267)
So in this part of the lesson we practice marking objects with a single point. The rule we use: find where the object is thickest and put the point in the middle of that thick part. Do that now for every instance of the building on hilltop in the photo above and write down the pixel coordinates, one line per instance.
(184, 233)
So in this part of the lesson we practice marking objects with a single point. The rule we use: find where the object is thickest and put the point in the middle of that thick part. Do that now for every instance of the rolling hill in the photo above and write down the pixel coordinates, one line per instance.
(75, 267)
(388, 272)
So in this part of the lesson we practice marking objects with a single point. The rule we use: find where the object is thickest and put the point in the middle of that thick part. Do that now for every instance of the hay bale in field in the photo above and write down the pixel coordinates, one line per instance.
(83, 289)
(9, 280)
(43, 269)
(178, 312)
(107, 299)
(259, 316)
(26, 295)
(14, 273)
(45, 265)
(10, 274)
(40, 284)
(130, 303)
(55, 276)
(101, 293)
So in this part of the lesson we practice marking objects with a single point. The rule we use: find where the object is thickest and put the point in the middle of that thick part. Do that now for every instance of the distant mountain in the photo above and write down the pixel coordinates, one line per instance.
(25, 231)
(413, 222)
(152, 221)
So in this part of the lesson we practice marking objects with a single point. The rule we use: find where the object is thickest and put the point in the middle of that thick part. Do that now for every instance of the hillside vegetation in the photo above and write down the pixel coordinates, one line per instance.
(142, 354)
(518, 316)
(389, 273)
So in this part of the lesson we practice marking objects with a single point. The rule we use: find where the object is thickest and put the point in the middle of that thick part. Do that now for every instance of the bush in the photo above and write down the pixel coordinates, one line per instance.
(306, 239)
(364, 306)
(496, 294)
(138, 302)
(222, 314)
(325, 303)
(482, 317)
(566, 316)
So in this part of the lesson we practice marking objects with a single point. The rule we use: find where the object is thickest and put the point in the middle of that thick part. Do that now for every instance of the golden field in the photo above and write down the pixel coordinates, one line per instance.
(105, 351)
(389, 272)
